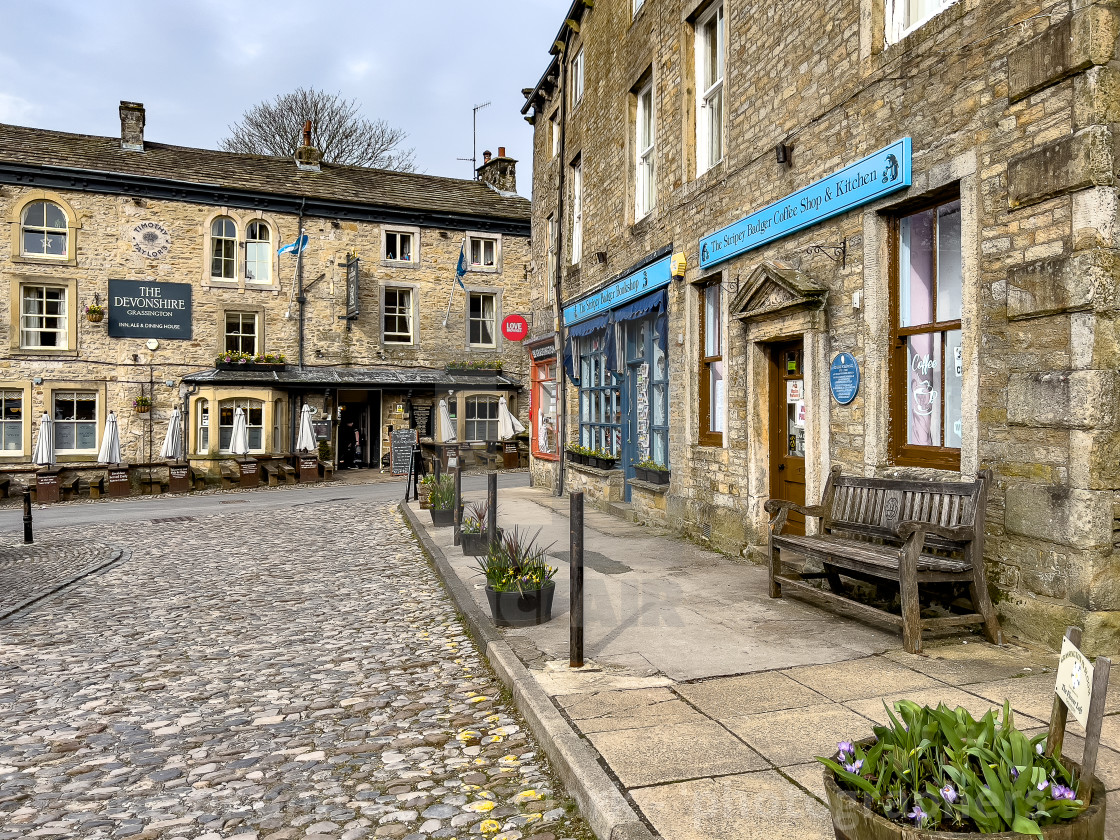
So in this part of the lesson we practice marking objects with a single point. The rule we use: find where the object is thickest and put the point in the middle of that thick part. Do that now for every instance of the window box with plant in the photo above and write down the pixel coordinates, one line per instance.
(472, 532)
(480, 367)
(604, 460)
(441, 501)
(250, 361)
(519, 584)
(651, 471)
(940, 773)
(142, 404)
(95, 313)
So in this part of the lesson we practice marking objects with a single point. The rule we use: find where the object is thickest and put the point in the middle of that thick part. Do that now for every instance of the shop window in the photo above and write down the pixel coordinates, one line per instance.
(44, 231)
(75, 421)
(577, 78)
(202, 437)
(399, 246)
(904, 16)
(544, 409)
(397, 316)
(577, 212)
(481, 318)
(223, 249)
(709, 84)
(926, 360)
(11, 421)
(484, 253)
(241, 332)
(481, 421)
(600, 405)
(43, 317)
(659, 393)
(254, 422)
(258, 253)
(712, 382)
(645, 193)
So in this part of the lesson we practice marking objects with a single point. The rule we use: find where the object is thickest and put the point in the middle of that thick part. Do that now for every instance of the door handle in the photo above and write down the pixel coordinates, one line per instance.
(781, 467)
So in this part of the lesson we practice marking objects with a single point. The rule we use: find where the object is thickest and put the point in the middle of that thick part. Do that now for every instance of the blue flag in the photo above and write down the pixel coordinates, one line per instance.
(296, 247)
(461, 268)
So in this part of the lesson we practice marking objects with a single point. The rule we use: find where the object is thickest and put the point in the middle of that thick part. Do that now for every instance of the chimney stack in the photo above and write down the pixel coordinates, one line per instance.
(307, 156)
(132, 126)
(499, 172)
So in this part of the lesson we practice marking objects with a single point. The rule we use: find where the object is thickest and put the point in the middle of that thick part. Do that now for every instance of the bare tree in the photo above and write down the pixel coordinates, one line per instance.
(341, 133)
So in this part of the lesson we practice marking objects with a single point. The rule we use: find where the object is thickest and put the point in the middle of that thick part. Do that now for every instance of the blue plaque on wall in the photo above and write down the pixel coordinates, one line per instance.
(149, 309)
(843, 378)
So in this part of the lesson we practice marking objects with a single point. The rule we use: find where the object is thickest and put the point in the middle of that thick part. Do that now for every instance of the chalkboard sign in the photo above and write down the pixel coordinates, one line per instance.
(401, 442)
(421, 416)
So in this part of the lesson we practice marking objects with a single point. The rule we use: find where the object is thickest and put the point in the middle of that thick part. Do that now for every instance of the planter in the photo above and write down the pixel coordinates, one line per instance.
(250, 366)
(658, 476)
(474, 371)
(442, 518)
(641, 473)
(851, 820)
(95, 317)
(523, 609)
(422, 494)
(476, 545)
(608, 463)
(142, 409)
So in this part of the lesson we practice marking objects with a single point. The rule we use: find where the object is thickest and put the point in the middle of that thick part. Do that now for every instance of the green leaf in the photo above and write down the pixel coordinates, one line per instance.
(850, 778)
(1026, 826)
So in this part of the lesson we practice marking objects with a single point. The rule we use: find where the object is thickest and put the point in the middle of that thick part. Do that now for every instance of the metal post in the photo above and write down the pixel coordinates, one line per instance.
(575, 571)
(27, 536)
(491, 508)
(457, 505)
(438, 465)
(417, 461)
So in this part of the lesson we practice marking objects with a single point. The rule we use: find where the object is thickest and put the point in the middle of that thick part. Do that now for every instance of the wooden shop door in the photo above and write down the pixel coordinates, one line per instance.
(788, 414)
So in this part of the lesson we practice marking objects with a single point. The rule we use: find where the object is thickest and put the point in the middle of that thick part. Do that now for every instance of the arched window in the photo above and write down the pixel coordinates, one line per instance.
(258, 253)
(223, 249)
(43, 230)
(202, 446)
(254, 421)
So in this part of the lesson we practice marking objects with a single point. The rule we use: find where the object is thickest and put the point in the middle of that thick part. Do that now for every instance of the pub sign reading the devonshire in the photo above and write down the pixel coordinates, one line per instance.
(149, 309)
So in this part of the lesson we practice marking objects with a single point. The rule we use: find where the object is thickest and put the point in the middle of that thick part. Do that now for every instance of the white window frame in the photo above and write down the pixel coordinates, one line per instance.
(72, 393)
(411, 315)
(638, 7)
(472, 401)
(577, 78)
(709, 124)
(397, 231)
(202, 431)
(577, 211)
(62, 331)
(255, 225)
(645, 175)
(242, 316)
(482, 239)
(550, 260)
(45, 230)
(214, 240)
(245, 403)
(554, 124)
(493, 321)
(20, 422)
(897, 27)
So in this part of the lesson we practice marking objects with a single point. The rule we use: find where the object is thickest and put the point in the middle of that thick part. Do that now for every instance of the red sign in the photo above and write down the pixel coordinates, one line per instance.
(515, 328)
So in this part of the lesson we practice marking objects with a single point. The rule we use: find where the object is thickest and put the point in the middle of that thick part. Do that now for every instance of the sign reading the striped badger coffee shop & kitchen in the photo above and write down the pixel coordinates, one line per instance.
(886, 171)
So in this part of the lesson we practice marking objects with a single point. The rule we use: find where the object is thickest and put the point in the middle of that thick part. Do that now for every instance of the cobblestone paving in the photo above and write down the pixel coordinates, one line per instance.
(29, 571)
(292, 675)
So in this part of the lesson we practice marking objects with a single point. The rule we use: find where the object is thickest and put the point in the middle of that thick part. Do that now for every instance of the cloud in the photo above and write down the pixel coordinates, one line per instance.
(17, 110)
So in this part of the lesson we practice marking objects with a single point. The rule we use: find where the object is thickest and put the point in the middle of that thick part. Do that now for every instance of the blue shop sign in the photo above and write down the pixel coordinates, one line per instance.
(149, 309)
(885, 172)
(843, 378)
(634, 285)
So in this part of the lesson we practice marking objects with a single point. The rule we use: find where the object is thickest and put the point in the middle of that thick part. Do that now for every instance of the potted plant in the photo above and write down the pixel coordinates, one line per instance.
(575, 454)
(95, 313)
(657, 473)
(142, 404)
(641, 470)
(519, 584)
(940, 773)
(606, 461)
(425, 488)
(476, 367)
(441, 501)
(472, 532)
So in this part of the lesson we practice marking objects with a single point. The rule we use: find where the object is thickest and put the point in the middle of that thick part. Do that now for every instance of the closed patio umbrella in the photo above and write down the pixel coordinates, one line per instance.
(306, 440)
(446, 430)
(44, 446)
(239, 440)
(110, 452)
(508, 425)
(172, 448)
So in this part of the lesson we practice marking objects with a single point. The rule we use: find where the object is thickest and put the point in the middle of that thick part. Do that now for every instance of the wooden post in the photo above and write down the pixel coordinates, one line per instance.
(1059, 711)
(575, 572)
(457, 505)
(491, 509)
(27, 535)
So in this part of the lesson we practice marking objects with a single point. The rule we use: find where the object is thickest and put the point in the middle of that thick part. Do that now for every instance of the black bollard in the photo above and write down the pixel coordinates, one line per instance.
(438, 465)
(491, 508)
(457, 505)
(575, 570)
(27, 535)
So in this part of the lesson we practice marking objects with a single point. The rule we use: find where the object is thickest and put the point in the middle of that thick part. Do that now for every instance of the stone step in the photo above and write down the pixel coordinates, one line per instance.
(623, 510)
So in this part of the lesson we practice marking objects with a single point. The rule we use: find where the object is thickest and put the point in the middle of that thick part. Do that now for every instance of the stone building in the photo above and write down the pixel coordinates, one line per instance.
(180, 247)
(923, 194)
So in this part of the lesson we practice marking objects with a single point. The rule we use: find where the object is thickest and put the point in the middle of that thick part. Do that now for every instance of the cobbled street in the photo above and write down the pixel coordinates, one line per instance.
(297, 672)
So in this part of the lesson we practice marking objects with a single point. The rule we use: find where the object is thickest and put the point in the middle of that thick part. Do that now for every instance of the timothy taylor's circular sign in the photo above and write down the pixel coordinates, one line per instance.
(515, 328)
(151, 239)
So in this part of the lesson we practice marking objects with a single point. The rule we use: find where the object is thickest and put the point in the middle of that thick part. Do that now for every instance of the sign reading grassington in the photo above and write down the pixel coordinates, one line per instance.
(149, 309)
(884, 172)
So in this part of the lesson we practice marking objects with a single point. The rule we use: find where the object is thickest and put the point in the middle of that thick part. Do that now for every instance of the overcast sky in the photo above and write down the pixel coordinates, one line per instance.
(198, 64)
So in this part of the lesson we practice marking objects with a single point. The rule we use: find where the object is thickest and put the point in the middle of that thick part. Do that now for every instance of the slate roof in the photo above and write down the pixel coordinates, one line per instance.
(377, 376)
(38, 147)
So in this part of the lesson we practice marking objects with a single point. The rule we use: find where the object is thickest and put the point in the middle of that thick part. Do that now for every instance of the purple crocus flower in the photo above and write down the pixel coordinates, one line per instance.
(1043, 785)
(854, 767)
(1014, 772)
(917, 814)
(1062, 792)
(949, 794)
(845, 748)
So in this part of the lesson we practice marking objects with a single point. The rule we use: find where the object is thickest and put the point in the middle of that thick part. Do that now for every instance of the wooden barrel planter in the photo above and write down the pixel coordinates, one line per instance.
(852, 820)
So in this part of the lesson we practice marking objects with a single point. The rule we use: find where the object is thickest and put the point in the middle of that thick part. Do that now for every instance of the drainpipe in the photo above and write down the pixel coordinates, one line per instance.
(557, 287)
(301, 298)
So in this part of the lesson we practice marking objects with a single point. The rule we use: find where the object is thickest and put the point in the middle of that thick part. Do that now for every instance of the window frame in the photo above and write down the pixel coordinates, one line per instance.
(16, 228)
(258, 345)
(482, 268)
(576, 75)
(577, 212)
(554, 132)
(645, 164)
(542, 373)
(212, 241)
(473, 400)
(23, 389)
(414, 257)
(705, 93)
(551, 257)
(412, 320)
(96, 421)
(64, 305)
(46, 230)
(902, 452)
(607, 393)
(202, 430)
(270, 252)
(261, 427)
(895, 27)
(471, 320)
(706, 436)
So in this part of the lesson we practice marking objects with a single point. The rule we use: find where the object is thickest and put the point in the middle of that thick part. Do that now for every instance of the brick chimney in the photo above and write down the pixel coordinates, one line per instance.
(499, 172)
(307, 156)
(132, 126)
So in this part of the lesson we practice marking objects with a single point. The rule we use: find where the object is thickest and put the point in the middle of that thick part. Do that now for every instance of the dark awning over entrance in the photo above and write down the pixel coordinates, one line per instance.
(370, 377)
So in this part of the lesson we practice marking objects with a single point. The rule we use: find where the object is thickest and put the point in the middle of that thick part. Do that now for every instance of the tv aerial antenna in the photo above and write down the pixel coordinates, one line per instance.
(474, 146)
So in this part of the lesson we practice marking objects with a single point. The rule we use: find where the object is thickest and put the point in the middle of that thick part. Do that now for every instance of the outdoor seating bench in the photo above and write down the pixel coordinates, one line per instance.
(911, 532)
(288, 473)
(69, 485)
(5, 486)
(273, 474)
(230, 477)
(95, 487)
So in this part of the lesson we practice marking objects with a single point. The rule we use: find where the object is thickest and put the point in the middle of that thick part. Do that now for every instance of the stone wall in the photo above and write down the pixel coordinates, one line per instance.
(1016, 111)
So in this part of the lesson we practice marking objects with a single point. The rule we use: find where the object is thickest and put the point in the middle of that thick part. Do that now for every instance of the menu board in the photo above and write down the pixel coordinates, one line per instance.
(401, 442)
(421, 416)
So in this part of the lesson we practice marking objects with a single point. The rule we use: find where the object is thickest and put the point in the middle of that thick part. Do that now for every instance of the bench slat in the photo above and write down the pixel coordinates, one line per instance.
(837, 603)
(958, 488)
(880, 556)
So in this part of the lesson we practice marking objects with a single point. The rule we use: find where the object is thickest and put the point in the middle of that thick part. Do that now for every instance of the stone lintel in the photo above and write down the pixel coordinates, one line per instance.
(1081, 160)
(1081, 281)
(1073, 399)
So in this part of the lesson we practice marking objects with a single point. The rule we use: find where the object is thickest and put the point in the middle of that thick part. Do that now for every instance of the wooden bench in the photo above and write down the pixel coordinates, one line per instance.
(94, 487)
(69, 485)
(277, 473)
(231, 477)
(911, 532)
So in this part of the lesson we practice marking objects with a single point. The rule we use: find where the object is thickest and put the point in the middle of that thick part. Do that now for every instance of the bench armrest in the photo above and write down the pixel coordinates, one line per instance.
(777, 505)
(957, 533)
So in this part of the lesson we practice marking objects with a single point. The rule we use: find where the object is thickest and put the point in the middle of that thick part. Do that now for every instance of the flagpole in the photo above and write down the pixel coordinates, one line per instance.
(459, 266)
